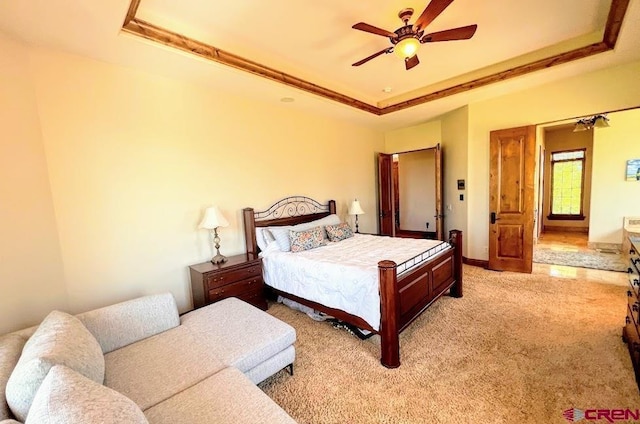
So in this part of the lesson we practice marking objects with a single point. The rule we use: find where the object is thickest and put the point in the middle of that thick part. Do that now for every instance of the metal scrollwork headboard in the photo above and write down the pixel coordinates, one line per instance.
(288, 211)
(291, 207)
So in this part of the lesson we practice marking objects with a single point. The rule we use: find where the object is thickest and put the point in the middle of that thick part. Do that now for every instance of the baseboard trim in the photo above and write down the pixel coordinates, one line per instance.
(481, 263)
(605, 246)
(558, 228)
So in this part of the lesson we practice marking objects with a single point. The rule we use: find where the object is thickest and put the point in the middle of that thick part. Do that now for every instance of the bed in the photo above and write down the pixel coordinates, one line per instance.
(401, 290)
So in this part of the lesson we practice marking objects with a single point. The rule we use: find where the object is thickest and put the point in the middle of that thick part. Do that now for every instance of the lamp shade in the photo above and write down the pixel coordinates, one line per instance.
(213, 218)
(600, 121)
(355, 208)
(581, 125)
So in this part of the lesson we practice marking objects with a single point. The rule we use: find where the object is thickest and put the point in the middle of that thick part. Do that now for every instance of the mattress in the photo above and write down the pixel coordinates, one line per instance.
(344, 275)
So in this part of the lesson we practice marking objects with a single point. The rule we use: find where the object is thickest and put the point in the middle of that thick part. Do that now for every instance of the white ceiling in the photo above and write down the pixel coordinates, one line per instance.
(314, 40)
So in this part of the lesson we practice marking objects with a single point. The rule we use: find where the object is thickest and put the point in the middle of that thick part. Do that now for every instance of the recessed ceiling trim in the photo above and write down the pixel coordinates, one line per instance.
(131, 13)
(169, 38)
(501, 76)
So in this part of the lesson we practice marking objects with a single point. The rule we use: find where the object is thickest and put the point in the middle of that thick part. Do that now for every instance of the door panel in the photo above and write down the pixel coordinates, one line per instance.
(511, 202)
(439, 200)
(386, 207)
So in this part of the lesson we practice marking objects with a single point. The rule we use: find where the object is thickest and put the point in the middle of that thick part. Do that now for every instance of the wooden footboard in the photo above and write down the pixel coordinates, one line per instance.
(404, 298)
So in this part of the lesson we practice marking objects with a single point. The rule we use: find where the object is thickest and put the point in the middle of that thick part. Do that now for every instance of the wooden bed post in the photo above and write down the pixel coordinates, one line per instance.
(250, 230)
(332, 206)
(390, 314)
(455, 237)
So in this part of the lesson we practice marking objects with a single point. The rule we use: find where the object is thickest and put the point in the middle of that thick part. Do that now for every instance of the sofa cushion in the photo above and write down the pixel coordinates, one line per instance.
(60, 339)
(225, 397)
(10, 349)
(239, 334)
(154, 369)
(277, 362)
(124, 323)
(66, 397)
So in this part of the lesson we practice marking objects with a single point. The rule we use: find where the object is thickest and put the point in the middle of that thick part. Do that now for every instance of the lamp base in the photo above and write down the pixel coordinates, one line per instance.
(218, 259)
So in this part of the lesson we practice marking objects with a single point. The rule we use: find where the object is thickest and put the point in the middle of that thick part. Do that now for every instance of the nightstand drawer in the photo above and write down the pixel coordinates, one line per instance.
(228, 277)
(236, 289)
(240, 276)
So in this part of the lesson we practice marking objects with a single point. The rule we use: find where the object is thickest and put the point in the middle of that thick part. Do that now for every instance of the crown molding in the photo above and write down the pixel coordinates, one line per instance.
(172, 39)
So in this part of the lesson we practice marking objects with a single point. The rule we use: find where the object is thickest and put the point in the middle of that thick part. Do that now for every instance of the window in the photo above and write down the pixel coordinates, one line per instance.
(567, 183)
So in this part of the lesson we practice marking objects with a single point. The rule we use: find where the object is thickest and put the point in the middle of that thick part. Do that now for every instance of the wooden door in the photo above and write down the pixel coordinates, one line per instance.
(396, 193)
(386, 207)
(439, 201)
(511, 199)
(540, 217)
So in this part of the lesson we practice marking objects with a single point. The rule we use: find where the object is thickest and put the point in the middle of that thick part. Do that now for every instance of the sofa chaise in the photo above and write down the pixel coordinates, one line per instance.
(140, 362)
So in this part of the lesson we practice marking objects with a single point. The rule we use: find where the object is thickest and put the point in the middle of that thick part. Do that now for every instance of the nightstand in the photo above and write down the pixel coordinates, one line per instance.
(240, 276)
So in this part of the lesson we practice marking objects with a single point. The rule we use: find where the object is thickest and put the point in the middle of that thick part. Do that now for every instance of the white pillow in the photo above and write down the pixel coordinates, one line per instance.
(332, 219)
(260, 240)
(67, 397)
(60, 339)
(281, 236)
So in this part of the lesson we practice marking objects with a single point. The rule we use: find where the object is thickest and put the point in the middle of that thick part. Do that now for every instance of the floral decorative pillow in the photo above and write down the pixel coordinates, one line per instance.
(308, 239)
(339, 232)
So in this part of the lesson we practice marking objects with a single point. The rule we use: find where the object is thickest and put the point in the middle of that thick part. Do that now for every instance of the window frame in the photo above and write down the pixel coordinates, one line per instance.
(567, 217)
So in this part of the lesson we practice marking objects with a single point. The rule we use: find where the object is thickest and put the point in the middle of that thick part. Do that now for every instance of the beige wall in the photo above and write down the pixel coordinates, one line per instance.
(557, 140)
(133, 159)
(415, 137)
(416, 175)
(455, 159)
(613, 198)
(31, 275)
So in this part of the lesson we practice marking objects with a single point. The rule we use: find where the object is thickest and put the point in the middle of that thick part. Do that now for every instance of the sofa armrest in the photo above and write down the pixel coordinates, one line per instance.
(122, 324)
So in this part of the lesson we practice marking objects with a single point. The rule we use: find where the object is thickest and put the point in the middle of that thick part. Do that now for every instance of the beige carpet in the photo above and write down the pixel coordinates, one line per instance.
(515, 349)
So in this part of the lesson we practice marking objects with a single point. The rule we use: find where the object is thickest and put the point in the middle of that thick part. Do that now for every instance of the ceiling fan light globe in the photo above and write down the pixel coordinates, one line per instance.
(407, 47)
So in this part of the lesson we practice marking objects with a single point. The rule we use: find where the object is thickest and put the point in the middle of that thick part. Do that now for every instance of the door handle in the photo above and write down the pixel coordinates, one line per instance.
(494, 218)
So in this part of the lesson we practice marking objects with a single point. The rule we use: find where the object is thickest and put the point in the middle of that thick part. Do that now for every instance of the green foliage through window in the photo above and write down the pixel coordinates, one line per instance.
(567, 175)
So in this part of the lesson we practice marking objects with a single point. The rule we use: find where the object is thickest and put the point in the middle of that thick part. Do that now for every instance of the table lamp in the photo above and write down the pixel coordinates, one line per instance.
(356, 210)
(211, 221)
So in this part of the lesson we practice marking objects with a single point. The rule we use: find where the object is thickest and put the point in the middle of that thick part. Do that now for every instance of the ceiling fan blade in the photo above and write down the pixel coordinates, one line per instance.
(462, 33)
(374, 30)
(412, 61)
(366, 59)
(433, 9)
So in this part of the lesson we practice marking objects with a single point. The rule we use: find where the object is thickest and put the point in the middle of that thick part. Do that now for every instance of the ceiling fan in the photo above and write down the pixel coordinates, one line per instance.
(406, 39)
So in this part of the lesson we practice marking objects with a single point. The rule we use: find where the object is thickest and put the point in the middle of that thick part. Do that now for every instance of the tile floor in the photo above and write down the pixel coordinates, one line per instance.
(575, 242)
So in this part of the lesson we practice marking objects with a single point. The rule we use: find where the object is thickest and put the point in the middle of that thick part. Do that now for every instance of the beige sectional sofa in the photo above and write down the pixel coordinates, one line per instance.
(140, 362)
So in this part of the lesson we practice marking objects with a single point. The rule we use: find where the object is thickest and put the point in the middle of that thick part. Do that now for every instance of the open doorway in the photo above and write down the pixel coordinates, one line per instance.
(415, 194)
(564, 193)
(410, 193)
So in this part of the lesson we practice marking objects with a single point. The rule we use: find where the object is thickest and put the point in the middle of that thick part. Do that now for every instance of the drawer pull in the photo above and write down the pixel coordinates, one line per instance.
(627, 320)
(629, 294)
(635, 307)
(629, 271)
(222, 278)
(636, 282)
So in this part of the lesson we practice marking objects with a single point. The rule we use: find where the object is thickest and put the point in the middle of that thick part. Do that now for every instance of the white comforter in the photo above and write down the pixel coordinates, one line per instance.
(342, 275)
